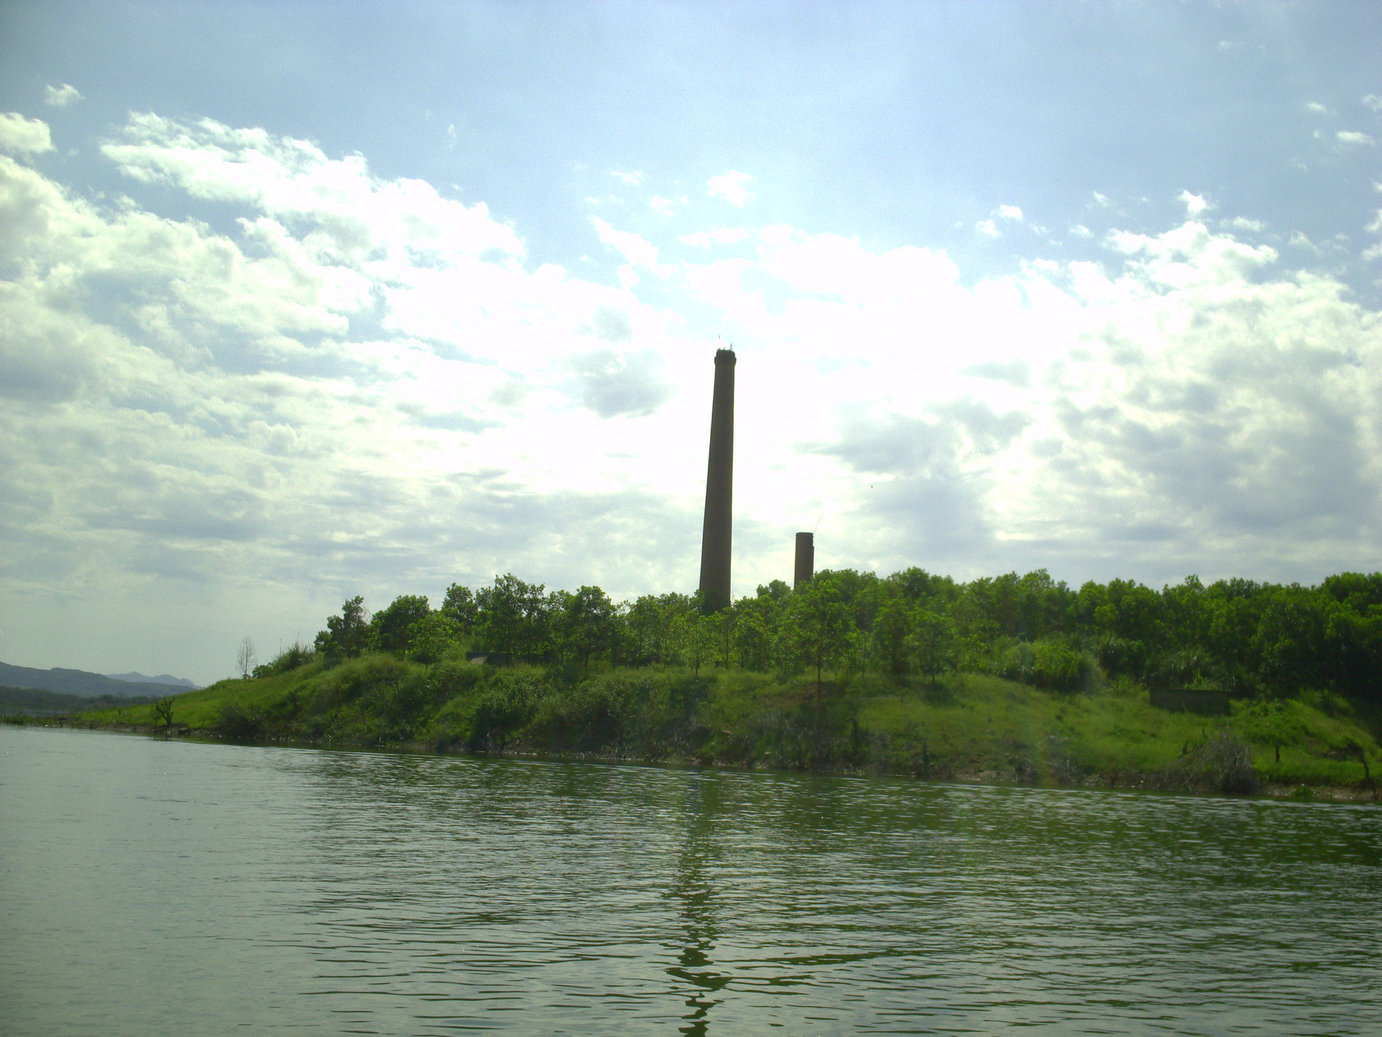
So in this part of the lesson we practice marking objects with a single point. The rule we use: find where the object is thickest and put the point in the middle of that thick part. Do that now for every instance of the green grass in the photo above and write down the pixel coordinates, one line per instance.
(966, 727)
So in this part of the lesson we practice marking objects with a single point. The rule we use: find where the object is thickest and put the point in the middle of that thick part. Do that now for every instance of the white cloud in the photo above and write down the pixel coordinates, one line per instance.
(349, 210)
(61, 96)
(1079, 230)
(1301, 240)
(717, 236)
(1373, 102)
(22, 136)
(1353, 137)
(356, 385)
(337, 370)
(1315, 108)
(734, 187)
(989, 228)
(1195, 204)
(638, 252)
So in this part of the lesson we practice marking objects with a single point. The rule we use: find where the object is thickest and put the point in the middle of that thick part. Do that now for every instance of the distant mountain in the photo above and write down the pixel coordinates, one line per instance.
(84, 684)
(181, 683)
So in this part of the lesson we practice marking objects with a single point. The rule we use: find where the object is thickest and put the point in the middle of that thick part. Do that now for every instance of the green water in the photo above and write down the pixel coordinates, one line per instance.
(152, 887)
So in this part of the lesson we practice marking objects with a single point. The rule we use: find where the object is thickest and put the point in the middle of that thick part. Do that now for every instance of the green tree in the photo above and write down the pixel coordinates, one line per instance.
(346, 635)
(585, 624)
(1289, 635)
(389, 627)
(513, 616)
(695, 635)
(932, 642)
(892, 627)
(460, 605)
(755, 626)
(817, 623)
(433, 636)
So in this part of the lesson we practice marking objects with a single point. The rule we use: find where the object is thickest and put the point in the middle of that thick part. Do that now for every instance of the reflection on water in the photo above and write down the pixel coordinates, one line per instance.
(692, 890)
(160, 887)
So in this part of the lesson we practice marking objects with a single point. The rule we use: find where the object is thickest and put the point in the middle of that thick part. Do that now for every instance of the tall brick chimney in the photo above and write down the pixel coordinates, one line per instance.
(719, 488)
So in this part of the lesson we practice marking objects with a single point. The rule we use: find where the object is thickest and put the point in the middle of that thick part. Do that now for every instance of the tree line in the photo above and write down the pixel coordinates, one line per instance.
(1236, 636)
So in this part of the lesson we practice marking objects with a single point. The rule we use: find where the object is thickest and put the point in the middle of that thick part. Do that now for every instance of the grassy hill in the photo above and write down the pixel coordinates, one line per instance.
(966, 727)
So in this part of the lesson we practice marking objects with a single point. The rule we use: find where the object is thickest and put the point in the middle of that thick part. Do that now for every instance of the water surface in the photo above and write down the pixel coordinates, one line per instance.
(152, 886)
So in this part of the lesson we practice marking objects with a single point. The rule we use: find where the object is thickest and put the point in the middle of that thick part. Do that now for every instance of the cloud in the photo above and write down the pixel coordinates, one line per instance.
(1354, 138)
(637, 252)
(1372, 102)
(292, 179)
(989, 228)
(311, 395)
(1315, 108)
(346, 383)
(614, 383)
(61, 96)
(1195, 204)
(1014, 372)
(734, 187)
(21, 136)
(1147, 399)
(712, 238)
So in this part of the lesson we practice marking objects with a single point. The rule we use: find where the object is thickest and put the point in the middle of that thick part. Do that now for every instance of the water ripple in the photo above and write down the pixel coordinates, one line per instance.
(305, 892)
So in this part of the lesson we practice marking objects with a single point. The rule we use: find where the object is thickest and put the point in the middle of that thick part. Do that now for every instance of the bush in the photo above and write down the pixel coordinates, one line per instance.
(1050, 665)
(506, 706)
(291, 658)
(1223, 763)
(589, 716)
(238, 723)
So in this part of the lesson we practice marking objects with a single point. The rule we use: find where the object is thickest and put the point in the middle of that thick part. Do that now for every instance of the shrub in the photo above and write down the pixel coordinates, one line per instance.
(238, 723)
(1222, 763)
(1046, 664)
(506, 706)
(291, 658)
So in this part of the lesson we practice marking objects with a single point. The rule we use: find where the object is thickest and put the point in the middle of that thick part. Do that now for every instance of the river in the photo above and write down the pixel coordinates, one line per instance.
(174, 887)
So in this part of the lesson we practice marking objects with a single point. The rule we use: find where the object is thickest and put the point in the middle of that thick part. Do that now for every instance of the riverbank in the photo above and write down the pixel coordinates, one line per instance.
(1163, 782)
(966, 728)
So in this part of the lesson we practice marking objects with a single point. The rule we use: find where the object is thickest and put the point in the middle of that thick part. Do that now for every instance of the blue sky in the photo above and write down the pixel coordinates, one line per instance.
(303, 301)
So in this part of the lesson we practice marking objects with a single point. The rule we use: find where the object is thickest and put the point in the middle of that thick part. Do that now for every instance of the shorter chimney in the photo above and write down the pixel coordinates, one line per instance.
(806, 560)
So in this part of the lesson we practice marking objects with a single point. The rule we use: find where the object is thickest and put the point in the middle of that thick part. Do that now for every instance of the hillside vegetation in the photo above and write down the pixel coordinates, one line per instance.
(1014, 679)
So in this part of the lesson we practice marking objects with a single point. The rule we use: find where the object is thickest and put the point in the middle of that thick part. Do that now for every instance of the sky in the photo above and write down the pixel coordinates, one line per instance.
(300, 301)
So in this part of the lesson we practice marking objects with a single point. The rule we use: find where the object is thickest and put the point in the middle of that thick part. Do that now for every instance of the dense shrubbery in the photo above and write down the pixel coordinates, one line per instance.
(1244, 638)
(1014, 678)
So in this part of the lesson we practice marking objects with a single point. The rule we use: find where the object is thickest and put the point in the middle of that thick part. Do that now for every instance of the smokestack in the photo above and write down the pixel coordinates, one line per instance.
(719, 488)
(805, 566)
